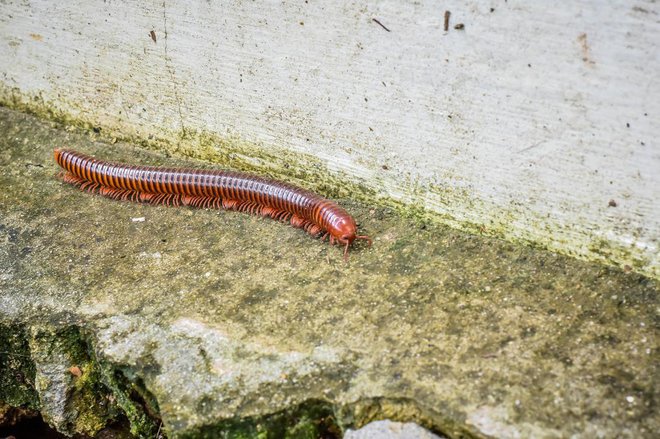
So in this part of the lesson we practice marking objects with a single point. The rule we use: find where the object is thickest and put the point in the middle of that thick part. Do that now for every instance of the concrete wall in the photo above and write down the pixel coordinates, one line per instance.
(524, 124)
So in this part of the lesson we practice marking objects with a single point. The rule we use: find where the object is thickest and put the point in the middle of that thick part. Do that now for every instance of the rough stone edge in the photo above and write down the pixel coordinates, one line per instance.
(127, 397)
(79, 395)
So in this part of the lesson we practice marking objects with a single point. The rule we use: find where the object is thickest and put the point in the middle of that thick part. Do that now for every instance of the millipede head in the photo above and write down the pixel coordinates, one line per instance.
(344, 232)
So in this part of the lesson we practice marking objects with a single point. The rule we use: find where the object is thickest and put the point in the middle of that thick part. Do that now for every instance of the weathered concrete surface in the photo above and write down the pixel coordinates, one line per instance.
(212, 321)
(523, 125)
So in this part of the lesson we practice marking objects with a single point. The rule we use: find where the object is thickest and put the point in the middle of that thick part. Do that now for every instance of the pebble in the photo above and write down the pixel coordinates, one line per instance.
(391, 430)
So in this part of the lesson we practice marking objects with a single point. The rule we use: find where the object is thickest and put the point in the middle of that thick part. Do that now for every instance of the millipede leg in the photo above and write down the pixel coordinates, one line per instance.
(146, 197)
(313, 229)
(228, 204)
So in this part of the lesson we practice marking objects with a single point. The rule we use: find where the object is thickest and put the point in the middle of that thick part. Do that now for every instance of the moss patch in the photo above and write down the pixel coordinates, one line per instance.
(311, 420)
(16, 369)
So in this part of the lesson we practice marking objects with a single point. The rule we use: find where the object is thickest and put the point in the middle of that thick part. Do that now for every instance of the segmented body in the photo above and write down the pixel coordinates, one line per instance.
(211, 188)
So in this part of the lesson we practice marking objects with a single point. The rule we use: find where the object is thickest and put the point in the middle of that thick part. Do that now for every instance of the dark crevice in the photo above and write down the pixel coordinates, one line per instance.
(22, 424)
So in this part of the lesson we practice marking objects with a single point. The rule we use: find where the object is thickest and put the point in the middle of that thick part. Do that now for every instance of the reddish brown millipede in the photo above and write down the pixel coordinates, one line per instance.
(210, 188)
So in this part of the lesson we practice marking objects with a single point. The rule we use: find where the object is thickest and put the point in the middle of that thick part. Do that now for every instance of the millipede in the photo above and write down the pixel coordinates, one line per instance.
(204, 188)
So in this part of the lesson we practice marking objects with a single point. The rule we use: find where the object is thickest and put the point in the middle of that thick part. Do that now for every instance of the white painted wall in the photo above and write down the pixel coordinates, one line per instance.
(528, 121)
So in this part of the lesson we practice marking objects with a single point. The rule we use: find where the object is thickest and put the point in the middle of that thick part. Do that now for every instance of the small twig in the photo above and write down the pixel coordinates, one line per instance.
(381, 24)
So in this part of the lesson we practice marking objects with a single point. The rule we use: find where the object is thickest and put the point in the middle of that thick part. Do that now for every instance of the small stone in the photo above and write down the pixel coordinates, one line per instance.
(75, 371)
(630, 399)
(390, 430)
